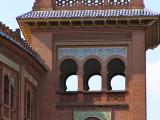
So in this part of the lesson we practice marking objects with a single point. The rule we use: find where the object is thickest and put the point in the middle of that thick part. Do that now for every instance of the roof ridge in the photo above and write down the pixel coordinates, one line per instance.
(152, 11)
(89, 13)
(23, 14)
(9, 32)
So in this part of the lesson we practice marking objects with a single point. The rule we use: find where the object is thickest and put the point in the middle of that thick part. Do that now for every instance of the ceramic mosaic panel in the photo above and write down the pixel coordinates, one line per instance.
(102, 52)
(83, 115)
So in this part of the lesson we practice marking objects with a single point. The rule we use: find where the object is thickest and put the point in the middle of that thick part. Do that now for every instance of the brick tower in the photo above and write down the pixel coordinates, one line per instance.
(87, 38)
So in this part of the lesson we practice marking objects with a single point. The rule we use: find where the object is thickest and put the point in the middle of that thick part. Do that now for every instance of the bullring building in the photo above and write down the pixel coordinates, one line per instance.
(70, 47)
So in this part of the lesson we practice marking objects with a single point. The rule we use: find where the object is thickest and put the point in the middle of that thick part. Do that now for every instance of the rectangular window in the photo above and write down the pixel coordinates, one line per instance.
(9, 79)
(30, 101)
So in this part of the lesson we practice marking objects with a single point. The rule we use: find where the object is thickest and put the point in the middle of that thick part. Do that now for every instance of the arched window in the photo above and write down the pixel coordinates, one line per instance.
(95, 83)
(68, 77)
(92, 75)
(6, 90)
(28, 104)
(118, 82)
(116, 75)
(72, 83)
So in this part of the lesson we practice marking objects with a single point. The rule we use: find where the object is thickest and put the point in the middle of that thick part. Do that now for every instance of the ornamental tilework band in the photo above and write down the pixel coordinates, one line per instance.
(83, 115)
(102, 52)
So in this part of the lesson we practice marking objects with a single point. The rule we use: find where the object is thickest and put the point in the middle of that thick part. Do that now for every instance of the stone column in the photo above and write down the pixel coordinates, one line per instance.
(80, 78)
(104, 77)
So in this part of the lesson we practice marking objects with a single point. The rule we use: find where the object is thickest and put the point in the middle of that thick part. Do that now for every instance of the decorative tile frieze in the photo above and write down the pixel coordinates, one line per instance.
(10, 63)
(102, 52)
(83, 115)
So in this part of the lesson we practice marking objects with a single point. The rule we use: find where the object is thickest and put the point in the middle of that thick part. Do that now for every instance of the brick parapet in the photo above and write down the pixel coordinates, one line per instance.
(15, 37)
(9, 32)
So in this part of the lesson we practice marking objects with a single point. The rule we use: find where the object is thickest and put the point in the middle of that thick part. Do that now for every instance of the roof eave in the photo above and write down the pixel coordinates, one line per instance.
(43, 66)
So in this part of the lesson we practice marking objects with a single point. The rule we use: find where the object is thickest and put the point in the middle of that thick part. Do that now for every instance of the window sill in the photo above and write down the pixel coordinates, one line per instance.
(90, 92)
(117, 91)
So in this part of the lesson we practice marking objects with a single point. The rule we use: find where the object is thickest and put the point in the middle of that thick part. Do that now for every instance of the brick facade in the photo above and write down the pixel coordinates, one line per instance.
(83, 40)
(22, 71)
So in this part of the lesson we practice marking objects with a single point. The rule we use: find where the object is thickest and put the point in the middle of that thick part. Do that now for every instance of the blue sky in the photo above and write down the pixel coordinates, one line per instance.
(10, 9)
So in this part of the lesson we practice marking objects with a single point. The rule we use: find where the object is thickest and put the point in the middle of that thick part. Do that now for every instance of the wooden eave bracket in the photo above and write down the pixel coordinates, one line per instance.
(26, 31)
(153, 34)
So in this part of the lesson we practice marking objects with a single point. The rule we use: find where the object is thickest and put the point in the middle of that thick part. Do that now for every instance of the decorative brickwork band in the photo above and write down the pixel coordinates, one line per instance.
(83, 4)
(92, 2)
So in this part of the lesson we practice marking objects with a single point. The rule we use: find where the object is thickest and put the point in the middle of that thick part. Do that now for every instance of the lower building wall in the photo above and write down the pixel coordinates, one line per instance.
(64, 115)
(84, 114)
(120, 115)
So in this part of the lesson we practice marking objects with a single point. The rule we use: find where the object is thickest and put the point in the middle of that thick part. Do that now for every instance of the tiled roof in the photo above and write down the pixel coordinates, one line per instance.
(25, 46)
(88, 14)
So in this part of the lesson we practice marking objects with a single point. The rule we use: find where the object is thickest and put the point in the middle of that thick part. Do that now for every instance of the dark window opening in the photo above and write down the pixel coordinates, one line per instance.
(68, 77)
(92, 69)
(118, 82)
(12, 96)
(6, 90)
(95, 83)
(28, 104)
(116, 75)
(72, 83)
